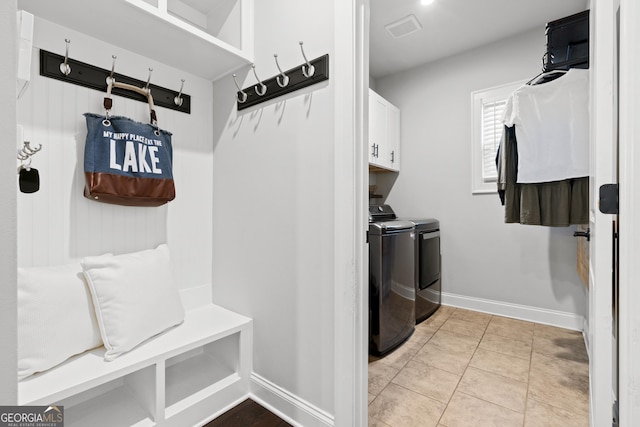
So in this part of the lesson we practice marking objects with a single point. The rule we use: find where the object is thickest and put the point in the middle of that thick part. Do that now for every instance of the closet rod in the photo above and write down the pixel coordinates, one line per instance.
(90, 76)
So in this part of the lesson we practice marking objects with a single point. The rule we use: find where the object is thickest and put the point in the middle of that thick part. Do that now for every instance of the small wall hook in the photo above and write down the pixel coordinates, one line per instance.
(178, 99)
(282, 79)
(263, 87)
(65, 68)
(27, 151)
(21, 156)
(310, 69)
(148, 79)
(243, 93)
(113, 69)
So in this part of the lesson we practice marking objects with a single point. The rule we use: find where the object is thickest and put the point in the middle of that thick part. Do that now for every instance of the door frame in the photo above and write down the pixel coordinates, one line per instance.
(350, 220)
(8, 210)
(629, 228)
(602, 171)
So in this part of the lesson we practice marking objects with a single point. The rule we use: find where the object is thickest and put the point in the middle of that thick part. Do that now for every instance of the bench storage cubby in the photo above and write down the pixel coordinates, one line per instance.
(179, 378)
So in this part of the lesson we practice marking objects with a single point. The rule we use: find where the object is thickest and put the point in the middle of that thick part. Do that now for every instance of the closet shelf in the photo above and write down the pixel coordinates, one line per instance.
(184, 37)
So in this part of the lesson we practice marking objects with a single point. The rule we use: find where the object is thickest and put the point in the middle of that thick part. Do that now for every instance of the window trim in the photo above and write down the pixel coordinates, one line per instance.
(478, 99)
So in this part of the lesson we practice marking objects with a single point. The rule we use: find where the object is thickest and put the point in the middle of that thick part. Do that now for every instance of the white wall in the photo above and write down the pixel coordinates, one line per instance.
(57, 223)
(273, 206)
(8, 183)
(482, 256)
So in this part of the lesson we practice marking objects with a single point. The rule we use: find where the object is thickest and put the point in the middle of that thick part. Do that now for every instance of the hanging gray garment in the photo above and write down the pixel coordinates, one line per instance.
(553, 204)
(506, 156)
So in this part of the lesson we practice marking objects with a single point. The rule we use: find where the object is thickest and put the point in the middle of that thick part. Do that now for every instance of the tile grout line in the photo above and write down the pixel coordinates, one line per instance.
(526, 397)
(465, 370)
(397, 373)
(456, 387)
(468, 365)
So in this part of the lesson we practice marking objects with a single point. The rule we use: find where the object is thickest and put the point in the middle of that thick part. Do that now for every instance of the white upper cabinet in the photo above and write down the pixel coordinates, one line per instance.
(209, 38)
(377, 128)
(384, 133)
(393, 137)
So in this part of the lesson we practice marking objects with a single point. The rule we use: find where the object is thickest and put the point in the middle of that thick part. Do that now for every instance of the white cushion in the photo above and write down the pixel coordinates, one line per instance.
(134, 296)
(56, 319)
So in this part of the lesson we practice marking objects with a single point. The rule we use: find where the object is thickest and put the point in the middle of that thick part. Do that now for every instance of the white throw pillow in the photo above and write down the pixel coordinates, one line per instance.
(134, 296)
(56, 319)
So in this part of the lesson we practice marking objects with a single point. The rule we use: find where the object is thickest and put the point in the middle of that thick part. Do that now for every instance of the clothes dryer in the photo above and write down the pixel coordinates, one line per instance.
(428, 265)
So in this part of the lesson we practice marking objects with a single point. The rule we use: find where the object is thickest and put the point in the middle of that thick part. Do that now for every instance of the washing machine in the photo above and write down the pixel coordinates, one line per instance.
(392, 291)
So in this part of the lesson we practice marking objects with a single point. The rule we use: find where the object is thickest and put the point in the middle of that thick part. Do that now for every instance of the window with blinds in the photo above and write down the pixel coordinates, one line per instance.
(487, 109)
(492, 126)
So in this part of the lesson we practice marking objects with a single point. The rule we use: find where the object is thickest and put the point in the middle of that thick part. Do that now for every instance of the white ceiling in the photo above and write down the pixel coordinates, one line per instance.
(453, 26)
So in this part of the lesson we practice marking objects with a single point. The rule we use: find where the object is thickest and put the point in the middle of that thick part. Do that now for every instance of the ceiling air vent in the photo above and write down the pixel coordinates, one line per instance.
(404, 26)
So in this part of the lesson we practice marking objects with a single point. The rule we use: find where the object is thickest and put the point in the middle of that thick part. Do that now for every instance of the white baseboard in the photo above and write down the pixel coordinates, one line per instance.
(286, 405)
(560, 319)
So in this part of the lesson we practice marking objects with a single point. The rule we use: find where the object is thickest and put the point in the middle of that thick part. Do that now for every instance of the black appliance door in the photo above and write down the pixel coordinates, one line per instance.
(429, 259)
(429, 284)
(392, 290)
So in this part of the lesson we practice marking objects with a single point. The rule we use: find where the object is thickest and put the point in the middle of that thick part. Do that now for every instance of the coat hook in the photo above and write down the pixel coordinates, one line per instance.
(263, 87)
(113, 68)
(310, 69)
(65, 68)
(285, 79)
(243, 93)
(148, 79)
(178, 99)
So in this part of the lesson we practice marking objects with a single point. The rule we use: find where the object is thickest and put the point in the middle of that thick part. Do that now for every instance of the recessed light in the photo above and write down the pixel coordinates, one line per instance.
(426, 2)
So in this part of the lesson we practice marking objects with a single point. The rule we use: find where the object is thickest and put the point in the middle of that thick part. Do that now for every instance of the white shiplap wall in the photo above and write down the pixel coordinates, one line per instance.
(58, 224)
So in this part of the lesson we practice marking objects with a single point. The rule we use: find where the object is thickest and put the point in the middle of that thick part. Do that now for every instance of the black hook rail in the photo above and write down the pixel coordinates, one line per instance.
(90, 76)
(297, 81)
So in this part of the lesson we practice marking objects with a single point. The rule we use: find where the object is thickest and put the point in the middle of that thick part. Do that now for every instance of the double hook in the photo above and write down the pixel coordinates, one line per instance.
(310, 69)
(242, 97)
(65, 68)
(282, 79)
(263, 88)
(110, 79)
(178, 99)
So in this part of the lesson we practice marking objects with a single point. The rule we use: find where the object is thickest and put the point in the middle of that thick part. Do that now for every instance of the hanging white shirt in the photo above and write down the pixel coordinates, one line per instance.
(552, 128)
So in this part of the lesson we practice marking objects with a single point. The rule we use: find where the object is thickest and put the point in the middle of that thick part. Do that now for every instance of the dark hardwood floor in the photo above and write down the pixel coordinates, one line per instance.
(248, 414)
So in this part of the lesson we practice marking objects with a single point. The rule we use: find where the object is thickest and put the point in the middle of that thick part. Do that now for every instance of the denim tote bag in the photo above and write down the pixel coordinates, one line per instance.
(126, 162)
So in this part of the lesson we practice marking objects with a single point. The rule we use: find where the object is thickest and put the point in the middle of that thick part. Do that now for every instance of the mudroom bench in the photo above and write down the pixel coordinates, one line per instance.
(180, 378)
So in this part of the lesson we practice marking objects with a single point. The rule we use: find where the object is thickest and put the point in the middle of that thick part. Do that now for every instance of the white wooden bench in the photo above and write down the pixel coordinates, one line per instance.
(180, 378)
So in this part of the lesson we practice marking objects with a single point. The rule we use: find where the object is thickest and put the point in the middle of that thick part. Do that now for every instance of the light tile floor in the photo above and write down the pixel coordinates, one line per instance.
(462, 368)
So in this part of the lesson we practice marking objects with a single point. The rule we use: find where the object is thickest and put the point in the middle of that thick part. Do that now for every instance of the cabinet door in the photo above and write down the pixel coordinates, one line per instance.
(393, 137)
(377, 129)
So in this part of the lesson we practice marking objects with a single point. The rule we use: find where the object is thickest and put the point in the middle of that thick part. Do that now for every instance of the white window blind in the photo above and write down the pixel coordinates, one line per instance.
(487, 109)
(491, 133)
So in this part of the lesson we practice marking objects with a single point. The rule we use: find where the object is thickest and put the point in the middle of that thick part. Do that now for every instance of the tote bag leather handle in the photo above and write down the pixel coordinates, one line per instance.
(108, 102)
